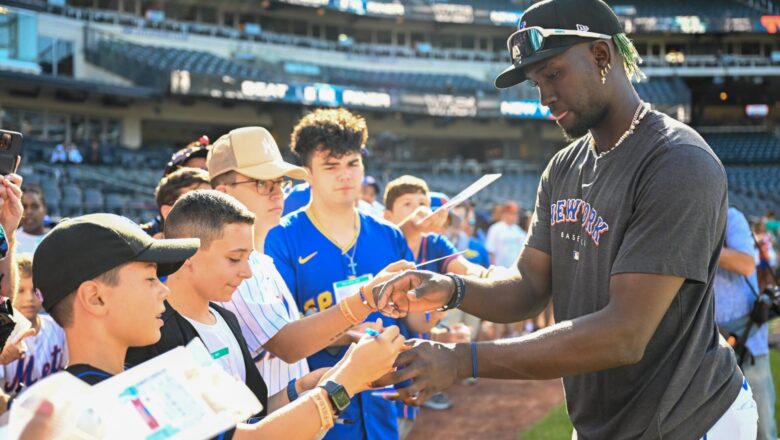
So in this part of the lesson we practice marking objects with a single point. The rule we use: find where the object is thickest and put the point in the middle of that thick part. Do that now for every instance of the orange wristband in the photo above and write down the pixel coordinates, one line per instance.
(347, 312)
(326, 415)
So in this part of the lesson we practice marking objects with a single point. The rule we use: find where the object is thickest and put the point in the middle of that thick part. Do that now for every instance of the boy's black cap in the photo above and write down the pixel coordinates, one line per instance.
(593, 15)
(81, 248)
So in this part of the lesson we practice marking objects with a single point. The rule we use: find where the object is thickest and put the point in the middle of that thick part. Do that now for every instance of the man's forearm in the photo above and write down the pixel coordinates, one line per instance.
(506, 299)
(591, 343)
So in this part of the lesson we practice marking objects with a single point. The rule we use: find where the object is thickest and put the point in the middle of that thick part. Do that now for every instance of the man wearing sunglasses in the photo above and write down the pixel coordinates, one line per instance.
(625, 240)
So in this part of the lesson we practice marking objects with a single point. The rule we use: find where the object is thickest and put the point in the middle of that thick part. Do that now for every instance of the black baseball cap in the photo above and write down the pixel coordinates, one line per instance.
(199, 148)
(82, 248)
(576, 15)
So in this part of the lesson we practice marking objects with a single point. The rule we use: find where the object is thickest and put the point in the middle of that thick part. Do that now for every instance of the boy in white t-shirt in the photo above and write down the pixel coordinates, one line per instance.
(46, 351)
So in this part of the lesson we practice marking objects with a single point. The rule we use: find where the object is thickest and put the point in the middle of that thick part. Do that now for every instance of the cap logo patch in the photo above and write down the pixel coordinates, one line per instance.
(582, 28)
(268, 147)
(515, 52)
(521, 25)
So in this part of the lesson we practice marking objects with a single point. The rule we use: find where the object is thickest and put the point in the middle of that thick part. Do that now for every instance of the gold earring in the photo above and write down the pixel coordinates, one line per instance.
(604, 73)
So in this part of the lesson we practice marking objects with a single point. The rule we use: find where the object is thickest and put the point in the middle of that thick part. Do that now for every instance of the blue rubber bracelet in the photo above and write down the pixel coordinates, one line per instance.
(292, 395)
(474, 360)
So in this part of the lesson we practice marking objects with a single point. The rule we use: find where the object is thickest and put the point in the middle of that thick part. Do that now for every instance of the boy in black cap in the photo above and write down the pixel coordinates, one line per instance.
(625, 240)
(98, 275)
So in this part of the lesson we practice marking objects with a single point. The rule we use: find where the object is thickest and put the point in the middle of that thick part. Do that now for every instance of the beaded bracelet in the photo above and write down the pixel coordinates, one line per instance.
(347, 312)
(457, 297)
(364, 300)
(326, 415)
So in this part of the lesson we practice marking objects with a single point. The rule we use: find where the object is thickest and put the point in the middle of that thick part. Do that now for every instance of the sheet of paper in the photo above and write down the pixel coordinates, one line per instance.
(467, 193)
(181, 394)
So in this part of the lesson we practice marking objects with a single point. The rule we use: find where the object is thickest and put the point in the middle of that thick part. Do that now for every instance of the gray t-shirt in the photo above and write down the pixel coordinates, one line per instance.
(657, 204)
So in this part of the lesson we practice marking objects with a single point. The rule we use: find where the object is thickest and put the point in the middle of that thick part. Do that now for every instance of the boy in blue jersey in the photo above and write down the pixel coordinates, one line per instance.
(409, 196)
(327, 250)
(246, 164)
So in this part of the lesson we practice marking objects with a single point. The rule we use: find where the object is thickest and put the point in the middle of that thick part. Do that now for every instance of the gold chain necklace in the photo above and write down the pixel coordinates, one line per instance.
(641, 111)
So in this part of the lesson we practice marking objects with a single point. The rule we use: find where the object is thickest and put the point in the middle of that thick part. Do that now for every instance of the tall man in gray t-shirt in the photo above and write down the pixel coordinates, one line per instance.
(625, 239)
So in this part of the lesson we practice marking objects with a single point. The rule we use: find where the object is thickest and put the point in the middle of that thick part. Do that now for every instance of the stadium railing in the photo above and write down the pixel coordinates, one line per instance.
(135, 61)
(724, 8)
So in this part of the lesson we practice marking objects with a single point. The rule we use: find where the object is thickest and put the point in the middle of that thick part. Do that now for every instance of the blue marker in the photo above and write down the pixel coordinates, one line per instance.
(371, 332)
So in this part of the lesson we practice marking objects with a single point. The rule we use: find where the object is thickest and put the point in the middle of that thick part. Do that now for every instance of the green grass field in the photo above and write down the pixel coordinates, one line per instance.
(556, 426)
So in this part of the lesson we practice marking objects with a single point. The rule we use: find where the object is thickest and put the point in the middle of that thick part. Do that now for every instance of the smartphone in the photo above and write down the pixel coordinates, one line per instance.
(10, 151)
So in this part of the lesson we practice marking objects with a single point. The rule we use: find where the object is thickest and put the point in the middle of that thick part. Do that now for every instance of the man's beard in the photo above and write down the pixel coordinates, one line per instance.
(585, 121)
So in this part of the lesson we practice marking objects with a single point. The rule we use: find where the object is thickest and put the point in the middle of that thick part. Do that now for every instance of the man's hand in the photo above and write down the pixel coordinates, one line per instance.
(413, 291)
(431, 366)
(388, 273)
(416, 223)
(11, 209)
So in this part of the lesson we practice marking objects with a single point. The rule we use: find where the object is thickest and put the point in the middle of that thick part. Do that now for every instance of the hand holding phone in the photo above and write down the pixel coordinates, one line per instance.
(10, 151)
(11, 209)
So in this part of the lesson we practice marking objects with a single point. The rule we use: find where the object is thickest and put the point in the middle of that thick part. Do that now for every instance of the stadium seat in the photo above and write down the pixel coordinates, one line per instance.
(93, 200)
(115, 203)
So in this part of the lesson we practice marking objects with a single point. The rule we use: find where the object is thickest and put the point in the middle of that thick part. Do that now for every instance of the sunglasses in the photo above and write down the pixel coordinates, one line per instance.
(267, 187)
(528, 41)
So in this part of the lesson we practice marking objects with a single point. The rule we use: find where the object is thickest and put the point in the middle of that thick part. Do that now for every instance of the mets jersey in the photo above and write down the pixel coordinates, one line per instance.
(263, 305)
(46, 354)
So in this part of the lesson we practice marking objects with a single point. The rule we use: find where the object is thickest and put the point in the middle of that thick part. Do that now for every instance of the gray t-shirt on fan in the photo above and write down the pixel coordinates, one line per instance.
(656, 204)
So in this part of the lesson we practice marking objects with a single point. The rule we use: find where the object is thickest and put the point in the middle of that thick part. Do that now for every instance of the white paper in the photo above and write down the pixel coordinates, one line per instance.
(181, 394)
(467, 193)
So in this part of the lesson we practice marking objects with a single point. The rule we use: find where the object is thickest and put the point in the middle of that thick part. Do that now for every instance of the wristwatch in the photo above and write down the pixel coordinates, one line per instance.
(338, 396)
